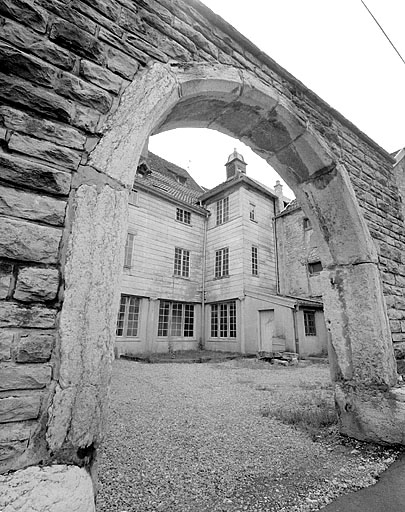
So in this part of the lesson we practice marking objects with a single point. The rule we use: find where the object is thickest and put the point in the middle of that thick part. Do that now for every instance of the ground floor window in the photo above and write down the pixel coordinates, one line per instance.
(176, 318)
(309, 323)
(223, 320)
(128, 316)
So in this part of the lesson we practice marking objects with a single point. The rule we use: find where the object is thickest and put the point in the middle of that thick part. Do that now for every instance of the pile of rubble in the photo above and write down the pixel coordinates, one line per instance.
(281, 358)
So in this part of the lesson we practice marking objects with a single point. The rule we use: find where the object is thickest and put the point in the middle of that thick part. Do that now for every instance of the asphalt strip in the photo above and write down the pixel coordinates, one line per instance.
(387, 495)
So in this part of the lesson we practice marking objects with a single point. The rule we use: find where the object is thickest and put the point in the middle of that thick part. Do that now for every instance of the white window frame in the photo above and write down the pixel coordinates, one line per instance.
(133, 198)
(181, 262)
(223, 320)
(129, 250)
(168, 322)
(255, 260)
(221, 263)
(128, 317)
(183, 216)
(310, 323)
(222, 210)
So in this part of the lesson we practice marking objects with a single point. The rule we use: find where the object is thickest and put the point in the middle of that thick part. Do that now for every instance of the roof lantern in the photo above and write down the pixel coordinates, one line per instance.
(236, 164)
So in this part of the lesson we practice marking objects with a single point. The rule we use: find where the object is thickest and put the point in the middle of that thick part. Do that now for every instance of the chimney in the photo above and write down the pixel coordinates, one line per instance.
(235, 165)
(278, 190)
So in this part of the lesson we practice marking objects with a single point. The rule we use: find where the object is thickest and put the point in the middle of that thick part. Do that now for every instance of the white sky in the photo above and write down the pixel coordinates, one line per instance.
(335, 48)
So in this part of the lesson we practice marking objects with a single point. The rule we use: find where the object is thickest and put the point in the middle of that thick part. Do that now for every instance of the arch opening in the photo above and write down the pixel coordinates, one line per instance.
(237, 103)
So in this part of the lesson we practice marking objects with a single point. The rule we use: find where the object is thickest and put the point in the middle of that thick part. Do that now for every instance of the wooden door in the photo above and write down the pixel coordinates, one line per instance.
(266, 321)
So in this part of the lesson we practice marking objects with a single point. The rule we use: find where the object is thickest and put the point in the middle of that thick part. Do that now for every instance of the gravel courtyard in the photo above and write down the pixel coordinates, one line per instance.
(201, 437)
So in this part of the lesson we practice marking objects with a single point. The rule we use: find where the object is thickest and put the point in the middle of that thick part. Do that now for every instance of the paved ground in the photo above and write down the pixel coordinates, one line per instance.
(201, 437)
(388, 495)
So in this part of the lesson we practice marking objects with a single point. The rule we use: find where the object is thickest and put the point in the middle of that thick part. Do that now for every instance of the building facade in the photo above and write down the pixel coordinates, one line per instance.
(300, 267)
(214, 268)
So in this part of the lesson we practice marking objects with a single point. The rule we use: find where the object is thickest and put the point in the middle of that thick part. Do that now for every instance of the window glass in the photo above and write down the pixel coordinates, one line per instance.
(222, 262)
(181, 262)
(309, 323)
(223, 210)
(254, 260)
(129, 249)
(252, 211)
(176, 318)
(314, 268)
(163, 324)
(223, 320)
(133, 197)
(128, 316)
(183, 216)
(188, 320)
(121, 316)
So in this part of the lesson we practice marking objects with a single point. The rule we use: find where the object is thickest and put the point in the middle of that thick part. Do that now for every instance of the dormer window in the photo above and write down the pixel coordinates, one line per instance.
(143, 169)
(181, 179)
(177, 177)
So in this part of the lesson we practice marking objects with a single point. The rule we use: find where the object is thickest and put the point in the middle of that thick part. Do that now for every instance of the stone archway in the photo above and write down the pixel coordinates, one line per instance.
(234, 102)
(237, 103)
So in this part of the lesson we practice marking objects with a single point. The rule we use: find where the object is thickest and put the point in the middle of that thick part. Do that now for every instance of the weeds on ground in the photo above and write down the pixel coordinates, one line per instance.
(310, 408)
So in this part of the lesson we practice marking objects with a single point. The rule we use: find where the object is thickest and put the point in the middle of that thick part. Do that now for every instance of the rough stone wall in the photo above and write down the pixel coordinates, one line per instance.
(64, 66)
(296, 248)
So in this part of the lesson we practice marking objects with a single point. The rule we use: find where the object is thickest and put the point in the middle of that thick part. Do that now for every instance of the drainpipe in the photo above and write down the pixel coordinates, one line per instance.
(296, 338)
(204, 257)
(276, 249)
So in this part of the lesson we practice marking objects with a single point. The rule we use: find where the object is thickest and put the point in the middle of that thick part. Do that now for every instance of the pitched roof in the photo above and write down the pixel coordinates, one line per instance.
(164, 177)
(291, 207)
(237, 180)
(158, 164)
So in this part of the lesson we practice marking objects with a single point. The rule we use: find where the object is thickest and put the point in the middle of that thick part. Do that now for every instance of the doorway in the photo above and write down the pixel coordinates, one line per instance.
(266, 328)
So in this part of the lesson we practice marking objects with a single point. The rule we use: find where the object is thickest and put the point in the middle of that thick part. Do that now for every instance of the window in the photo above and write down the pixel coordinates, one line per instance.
(181, 262)
(252, 211)
(129, 249)
(223, 320)
(222, 210)
(315, 268)
(143, 169)
(222, 262)
(309, 323)
(183, 216)
(176, 318)
(307, 224)
(133, 197)
(181, 179)
(178, 178)
(254, 260)
(128, 316)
